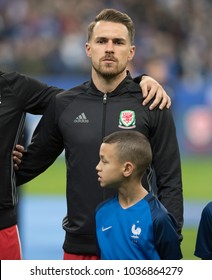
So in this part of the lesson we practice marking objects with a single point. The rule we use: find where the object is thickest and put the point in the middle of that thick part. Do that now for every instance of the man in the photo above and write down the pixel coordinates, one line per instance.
(19, 95)
(79, 118)
(133, 225)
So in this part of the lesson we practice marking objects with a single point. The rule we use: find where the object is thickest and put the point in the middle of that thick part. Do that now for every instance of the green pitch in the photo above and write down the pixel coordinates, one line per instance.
(50, 182)
(188, 243)
(197, 179)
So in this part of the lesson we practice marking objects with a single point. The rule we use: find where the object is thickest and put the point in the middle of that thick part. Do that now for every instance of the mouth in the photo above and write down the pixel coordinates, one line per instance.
(109, 59)
(99, 178)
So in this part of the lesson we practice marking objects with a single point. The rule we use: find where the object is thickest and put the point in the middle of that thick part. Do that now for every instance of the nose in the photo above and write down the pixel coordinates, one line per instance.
(109, 46)
(97, 167)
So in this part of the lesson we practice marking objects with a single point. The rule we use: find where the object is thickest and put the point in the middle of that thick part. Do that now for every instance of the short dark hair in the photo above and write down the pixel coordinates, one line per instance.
(131, 146)
(113, 15)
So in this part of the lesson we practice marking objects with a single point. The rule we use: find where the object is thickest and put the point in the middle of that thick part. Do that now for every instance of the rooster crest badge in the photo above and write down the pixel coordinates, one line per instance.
(136, 231)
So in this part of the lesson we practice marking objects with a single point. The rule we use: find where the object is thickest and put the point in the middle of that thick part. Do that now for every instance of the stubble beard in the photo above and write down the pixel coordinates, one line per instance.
(108, 72)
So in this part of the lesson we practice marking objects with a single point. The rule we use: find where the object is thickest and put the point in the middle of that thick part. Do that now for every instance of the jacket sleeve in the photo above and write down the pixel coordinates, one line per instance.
(167, 163)
(32, 95)
(46, 145)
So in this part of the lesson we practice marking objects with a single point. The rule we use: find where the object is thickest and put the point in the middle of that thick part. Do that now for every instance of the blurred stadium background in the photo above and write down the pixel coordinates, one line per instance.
(45, 39)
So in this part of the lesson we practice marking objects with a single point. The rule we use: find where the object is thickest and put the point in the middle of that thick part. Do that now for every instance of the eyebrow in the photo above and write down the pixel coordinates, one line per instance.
(114, 39)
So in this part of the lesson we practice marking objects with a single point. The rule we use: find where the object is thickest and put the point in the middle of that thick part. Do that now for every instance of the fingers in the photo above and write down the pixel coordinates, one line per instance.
(20, 148)
(144, 90)
(161, 99)
(154, 91)
(169, 102)
(160, 96)
(16, 161)
(16, 167)
(17, 155)
(165, 101)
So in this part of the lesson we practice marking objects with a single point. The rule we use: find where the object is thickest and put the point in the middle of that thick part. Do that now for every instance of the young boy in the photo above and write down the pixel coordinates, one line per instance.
(203, 247)
(133, 225)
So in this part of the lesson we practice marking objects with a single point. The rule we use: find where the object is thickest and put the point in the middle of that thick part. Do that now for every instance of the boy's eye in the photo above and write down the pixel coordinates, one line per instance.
(103, 161)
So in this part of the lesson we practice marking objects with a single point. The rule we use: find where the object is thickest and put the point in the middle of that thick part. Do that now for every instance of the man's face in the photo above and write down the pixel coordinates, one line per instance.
(110, 49)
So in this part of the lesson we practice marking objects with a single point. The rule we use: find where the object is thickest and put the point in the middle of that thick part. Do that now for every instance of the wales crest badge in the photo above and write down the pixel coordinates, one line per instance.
(127, 119)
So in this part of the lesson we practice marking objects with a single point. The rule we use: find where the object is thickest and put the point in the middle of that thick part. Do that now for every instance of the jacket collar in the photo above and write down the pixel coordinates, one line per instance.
(120, 89)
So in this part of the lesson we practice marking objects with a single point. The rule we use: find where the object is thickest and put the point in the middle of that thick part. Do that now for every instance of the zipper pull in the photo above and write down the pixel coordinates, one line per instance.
(105, 98)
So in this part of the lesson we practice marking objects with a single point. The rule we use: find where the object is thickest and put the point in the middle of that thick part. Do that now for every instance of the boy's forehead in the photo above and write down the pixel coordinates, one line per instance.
(108, 147)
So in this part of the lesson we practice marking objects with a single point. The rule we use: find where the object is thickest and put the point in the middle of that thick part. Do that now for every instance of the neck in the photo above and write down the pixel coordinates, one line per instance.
(107, 84)
(131, 194)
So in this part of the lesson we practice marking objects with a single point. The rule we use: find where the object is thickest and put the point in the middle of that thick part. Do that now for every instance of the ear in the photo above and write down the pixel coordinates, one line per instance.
(88, 49)
(131, 53)
(128, 168)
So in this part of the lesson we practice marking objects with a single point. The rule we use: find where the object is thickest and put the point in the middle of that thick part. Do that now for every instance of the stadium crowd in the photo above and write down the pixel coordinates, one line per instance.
(46, 37)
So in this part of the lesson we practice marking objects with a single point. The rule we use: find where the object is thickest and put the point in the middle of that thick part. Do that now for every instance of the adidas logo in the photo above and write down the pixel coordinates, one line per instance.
(81, 119)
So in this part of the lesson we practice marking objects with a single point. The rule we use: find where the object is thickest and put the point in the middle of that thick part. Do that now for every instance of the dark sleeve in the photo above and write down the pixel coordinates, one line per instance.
(166, 238)
(32, 95)
(167, 163)
(45, 147)
(203, 247)
(138, 79)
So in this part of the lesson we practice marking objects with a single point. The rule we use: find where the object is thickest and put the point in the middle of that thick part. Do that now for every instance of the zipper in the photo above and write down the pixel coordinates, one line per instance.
(105, 98)
(17, 141)
(104, 114)
(103, 131)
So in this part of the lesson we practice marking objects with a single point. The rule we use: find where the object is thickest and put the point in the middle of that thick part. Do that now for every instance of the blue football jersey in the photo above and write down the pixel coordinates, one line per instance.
(203, 248)
(144, 231)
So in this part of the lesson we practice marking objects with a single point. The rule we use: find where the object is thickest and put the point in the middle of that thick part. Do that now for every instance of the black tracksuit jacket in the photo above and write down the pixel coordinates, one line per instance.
(77, 120)
(19, 95)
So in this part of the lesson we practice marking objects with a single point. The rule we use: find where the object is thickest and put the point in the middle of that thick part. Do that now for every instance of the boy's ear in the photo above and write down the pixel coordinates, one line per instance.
(128, 168)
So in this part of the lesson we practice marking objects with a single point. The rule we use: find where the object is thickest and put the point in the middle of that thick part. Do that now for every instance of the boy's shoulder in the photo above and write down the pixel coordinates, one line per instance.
(106, 204)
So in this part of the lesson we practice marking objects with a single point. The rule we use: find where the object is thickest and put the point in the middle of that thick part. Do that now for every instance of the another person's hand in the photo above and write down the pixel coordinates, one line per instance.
(151, 88)
(17, 155)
